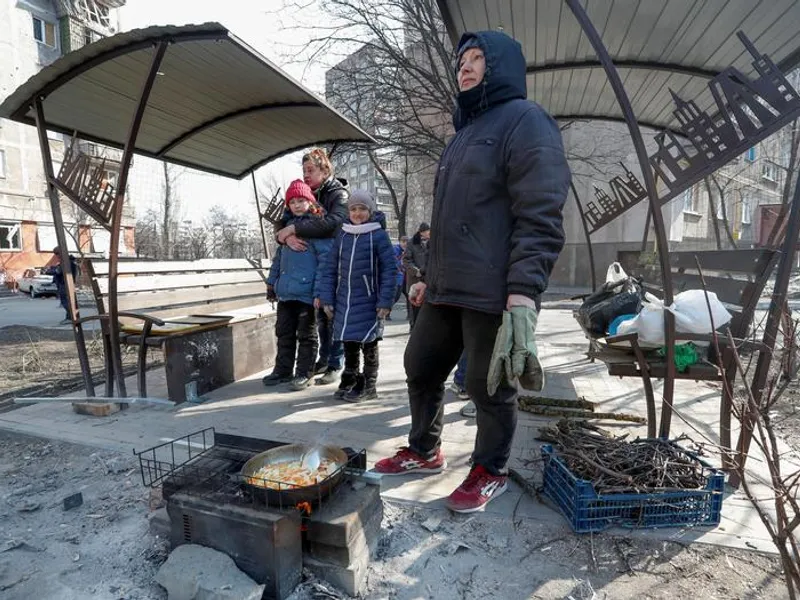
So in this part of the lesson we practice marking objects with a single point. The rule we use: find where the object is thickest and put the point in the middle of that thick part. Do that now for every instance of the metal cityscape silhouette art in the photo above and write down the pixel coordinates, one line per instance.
(747, 112)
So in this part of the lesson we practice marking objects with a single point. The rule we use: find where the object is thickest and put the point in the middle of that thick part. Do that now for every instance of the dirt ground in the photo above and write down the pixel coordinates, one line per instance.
(42, 361)
(103, 549)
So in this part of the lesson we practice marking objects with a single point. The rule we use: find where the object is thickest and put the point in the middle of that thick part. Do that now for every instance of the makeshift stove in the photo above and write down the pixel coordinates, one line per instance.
(269, 535)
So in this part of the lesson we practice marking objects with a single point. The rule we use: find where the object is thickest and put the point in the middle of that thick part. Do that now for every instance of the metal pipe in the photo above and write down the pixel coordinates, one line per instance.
(116, 220)
(260, 217)
(66, 265)
(650, 185)
(93, 400)
(586, 233)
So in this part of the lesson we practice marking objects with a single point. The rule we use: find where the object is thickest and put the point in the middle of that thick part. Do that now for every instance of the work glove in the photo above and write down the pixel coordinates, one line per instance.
(515, 354)
(271, 296)
(525, 364)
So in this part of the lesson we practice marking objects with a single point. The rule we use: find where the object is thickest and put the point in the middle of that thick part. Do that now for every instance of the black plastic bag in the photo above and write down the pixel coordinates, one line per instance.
(609, 302)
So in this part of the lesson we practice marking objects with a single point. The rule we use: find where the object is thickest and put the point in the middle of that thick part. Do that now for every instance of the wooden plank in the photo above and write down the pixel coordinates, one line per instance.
(698, 372)
(153, 302)
(140, 267)
(727, 290)
(186, 281)
(752, 261)
(218, 308)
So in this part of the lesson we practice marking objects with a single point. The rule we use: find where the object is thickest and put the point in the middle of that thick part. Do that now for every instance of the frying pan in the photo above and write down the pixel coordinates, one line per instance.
(291, 496)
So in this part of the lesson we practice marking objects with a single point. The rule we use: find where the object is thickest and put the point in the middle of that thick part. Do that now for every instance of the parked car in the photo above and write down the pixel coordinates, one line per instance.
(37, 283)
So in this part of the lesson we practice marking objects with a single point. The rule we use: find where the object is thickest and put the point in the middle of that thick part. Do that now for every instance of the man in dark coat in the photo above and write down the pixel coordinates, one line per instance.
(415, 261)
(496, 233)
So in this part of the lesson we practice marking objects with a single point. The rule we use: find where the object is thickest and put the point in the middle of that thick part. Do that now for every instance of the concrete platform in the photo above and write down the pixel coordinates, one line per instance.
(381, 426)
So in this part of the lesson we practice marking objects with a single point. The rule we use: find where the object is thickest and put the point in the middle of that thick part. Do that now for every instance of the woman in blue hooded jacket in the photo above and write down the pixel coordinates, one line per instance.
(357, 290)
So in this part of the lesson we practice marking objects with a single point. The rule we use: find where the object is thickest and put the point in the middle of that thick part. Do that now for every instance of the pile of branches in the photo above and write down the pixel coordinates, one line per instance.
(615, 465)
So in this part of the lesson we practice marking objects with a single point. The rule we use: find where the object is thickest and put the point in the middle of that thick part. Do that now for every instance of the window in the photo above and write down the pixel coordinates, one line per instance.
(2, 164)
(10, 236)
(44, 32)
(750, 155)
(747, 210)
(363, 169)
(90, 36)
(689, 201)
(769, 171)
(719, 206)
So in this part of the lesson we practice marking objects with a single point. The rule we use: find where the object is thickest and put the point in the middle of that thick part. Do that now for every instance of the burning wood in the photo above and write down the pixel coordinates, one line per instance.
(615, 465)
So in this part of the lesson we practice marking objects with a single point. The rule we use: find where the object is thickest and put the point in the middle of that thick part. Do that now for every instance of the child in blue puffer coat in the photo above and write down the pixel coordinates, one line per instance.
(357, 288)
(293, 279)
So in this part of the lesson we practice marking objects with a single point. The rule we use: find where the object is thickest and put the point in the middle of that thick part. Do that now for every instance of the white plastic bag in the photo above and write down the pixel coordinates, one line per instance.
(648, 324)
(691, 312)
(615, 273)
(691, 316)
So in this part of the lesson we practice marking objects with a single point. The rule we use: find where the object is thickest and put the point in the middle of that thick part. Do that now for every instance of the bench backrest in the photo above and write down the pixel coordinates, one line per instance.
(174, 288)
(736, 276)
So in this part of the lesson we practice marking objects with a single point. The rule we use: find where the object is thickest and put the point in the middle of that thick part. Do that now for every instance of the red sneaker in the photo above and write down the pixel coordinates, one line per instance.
(406, 461)
(478, 489)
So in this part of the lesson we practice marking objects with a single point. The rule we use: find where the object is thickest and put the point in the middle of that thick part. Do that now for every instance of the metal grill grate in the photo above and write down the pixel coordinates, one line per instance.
(207, 464)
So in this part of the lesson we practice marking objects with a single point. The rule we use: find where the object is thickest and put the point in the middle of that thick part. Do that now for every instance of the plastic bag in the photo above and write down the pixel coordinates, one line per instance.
(691, 316)
(606, 304)
(648, 324)
(691, 312)
(615, 273)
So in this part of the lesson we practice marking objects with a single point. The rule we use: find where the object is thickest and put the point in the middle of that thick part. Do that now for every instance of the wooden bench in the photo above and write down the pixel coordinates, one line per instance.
(209, 316)
(738, 278)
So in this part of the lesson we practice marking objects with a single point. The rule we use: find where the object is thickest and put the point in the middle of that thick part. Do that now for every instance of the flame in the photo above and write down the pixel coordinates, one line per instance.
(305, 509)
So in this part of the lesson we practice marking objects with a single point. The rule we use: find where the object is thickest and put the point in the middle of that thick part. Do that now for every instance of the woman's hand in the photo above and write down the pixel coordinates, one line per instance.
(329, 312)
(383, 313)
(416, 294)
(296, 244)
(317, 303)
(285, 233)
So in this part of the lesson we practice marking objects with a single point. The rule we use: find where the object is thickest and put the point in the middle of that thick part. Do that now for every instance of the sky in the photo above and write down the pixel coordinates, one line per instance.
(274, 28)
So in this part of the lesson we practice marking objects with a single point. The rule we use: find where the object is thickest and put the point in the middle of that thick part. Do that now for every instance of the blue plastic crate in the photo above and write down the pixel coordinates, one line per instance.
(588, 511)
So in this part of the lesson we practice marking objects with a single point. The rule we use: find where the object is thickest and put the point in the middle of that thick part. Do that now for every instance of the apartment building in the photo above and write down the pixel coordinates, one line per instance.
(33, 34)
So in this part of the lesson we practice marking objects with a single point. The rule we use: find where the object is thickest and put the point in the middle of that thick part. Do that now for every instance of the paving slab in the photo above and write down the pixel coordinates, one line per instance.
(381, 426)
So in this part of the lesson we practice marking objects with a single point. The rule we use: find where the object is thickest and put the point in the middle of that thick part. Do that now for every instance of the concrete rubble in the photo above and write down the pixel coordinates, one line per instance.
(195, 572)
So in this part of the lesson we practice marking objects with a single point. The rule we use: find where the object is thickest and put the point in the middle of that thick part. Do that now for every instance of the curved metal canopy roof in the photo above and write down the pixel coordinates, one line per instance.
(656, 46)
(217, 105)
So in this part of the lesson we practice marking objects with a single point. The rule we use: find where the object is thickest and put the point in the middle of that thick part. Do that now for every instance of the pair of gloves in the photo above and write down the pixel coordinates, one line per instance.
(515, 353)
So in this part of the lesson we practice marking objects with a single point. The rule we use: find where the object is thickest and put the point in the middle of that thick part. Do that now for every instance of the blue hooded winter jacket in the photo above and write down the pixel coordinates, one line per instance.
(296, 275)
(359, 278)
(500, 190)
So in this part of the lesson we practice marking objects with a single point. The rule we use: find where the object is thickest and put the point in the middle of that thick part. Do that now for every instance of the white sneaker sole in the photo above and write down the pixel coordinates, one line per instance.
(418, 471)
(497, 493)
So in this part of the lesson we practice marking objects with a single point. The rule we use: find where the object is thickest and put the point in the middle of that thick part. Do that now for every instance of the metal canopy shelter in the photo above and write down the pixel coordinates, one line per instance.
(216, 104)
(195, 96)
(655, 46)
(710, 75)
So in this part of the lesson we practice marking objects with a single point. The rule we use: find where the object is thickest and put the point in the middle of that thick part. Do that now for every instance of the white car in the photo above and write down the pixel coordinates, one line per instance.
(36, 283)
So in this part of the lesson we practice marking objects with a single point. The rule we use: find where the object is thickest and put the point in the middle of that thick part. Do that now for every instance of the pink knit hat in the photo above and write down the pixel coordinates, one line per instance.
(298, 189)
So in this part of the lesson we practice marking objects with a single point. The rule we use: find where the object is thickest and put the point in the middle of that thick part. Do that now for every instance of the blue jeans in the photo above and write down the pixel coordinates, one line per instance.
(330, 352)
(460, 376)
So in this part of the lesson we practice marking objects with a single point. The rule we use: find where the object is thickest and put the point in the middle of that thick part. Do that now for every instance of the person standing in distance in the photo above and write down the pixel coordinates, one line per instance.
(496, 233)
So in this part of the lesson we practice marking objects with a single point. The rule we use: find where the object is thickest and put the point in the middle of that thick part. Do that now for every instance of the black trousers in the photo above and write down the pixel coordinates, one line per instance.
(437, 340)
(331, 352)
(296, 330)
(352, 361)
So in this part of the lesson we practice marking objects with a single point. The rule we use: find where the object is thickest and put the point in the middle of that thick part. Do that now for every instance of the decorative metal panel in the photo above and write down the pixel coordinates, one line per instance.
(625, 193)
(86, 186)
(747, 112)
